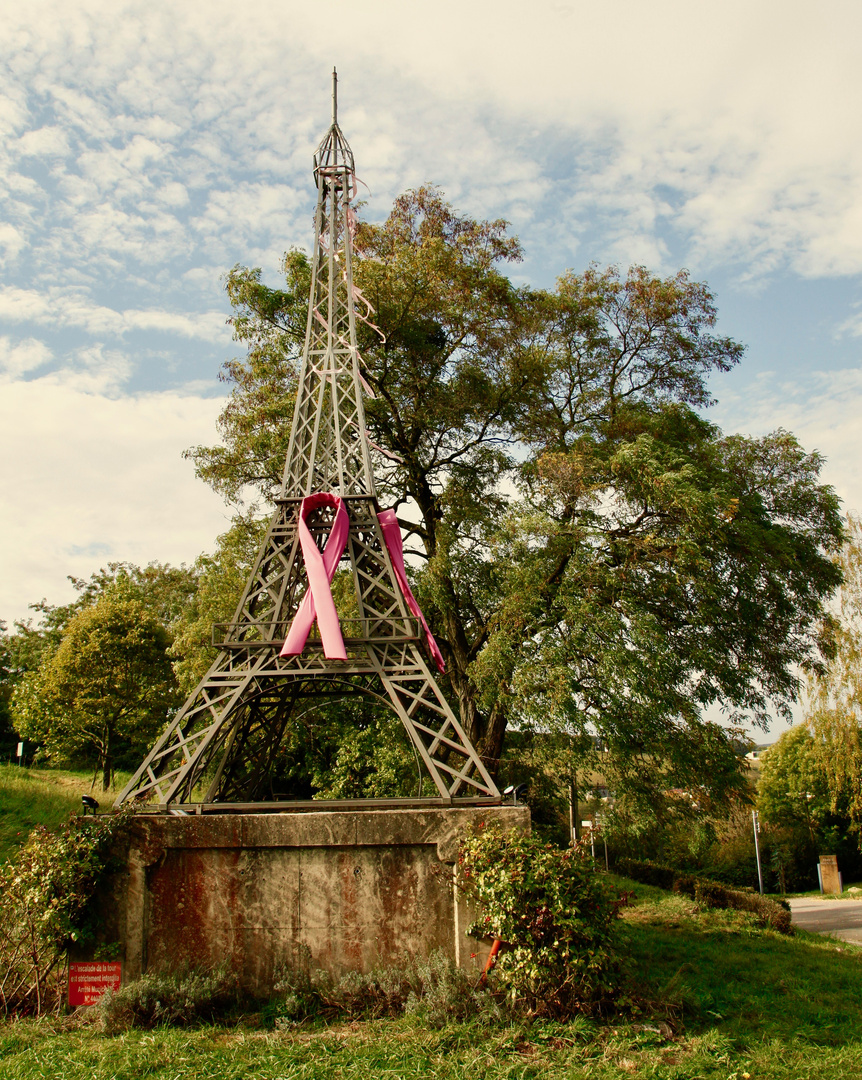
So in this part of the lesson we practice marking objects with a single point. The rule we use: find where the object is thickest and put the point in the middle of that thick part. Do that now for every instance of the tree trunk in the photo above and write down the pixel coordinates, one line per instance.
(485, 731)
(107, 768)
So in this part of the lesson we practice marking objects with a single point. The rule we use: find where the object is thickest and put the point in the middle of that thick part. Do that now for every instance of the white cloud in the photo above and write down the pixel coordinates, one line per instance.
(42, 142)
(148, 146)
(90, 478)
(25, 356)
(71, 308)
(11, 240)
(744, 117)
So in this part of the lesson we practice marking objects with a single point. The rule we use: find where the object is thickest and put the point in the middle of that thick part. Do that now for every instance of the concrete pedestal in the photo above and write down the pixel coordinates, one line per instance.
(339, 890)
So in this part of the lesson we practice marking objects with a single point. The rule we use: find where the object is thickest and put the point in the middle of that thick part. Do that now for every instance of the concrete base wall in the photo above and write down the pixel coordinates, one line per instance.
(341, 891)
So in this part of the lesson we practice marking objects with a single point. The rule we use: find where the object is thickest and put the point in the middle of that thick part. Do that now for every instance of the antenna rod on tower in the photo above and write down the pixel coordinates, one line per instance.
(334, 97)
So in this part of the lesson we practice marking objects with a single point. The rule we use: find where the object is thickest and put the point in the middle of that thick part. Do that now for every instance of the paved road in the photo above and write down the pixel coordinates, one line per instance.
(840, 918)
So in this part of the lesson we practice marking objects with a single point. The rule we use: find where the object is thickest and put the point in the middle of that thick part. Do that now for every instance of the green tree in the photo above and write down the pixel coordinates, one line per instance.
(7, 683)
(834, 701)
(166, 591)
(595, 554)
(793, 788)
(106, 690)
(219, 582)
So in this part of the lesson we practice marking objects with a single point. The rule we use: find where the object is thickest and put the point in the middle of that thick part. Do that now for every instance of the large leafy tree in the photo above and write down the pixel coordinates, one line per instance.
(165, 591)
(793, 787)
(106, 690)
(834, 702)
(220, 579)
(591, 552)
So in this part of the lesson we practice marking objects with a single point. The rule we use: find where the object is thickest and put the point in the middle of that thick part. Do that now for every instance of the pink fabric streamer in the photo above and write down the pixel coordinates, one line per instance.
(392, 537)
(317, 602)
(384, 452)
(368, 391)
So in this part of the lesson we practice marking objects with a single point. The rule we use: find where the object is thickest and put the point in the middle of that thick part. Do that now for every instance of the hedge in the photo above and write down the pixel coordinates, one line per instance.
(774, 913)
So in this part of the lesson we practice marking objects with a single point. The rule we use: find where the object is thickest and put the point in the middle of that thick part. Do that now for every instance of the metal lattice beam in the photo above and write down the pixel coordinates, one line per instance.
(221, 746)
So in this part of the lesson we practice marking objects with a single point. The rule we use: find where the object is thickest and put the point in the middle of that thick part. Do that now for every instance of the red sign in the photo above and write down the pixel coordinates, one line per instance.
(89, 979)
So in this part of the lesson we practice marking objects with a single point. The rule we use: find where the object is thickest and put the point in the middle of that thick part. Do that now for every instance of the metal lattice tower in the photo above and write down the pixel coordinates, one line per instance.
(222, 744)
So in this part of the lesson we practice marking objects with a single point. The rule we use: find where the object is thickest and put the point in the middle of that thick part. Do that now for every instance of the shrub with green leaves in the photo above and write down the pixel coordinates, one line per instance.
(709, 893)
(714, 894)
(178, 998)
(430, 988)
(554, 915)
(647, 872)
(46, 895)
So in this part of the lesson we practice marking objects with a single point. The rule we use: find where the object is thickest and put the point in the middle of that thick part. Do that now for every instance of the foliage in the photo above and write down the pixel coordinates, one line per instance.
(430, 988)
(553, 914)
(797, 1012)
(713, 894)
(29, 798)
(370, 754)
(220, 580)
(346, 748)
(793, 786)
(177, 998)
(720, 846)
(634, 632)
(647, 872)
(165, 591)
(595, 556)
(7, 682)
(46, 892)
(106, 689)
(834, 704)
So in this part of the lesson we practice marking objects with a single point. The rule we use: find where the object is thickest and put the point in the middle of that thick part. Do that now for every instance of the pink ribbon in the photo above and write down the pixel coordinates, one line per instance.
(317, 602)
(392, 537)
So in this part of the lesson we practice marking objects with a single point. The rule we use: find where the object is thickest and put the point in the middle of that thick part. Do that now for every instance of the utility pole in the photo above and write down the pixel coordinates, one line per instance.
(755, 821)
(574, 830)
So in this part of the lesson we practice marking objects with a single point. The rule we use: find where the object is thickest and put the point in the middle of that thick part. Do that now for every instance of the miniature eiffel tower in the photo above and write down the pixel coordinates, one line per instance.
(273, 661)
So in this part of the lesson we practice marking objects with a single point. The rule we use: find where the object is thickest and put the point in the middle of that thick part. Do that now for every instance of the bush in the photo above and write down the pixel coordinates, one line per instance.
(554, 916)
(714, 894)
(46, 894)
(433, 989)
(648, 873)
(178, 998)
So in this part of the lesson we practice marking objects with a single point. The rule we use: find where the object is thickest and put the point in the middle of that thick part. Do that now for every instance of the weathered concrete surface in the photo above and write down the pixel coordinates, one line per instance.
(342, 891)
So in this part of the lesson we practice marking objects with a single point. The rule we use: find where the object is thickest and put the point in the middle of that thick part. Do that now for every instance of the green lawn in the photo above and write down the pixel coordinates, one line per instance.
(719, 1000)
(31, 797)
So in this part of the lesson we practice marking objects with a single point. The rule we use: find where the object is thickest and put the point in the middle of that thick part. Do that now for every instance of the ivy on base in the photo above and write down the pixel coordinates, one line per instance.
(554, 915)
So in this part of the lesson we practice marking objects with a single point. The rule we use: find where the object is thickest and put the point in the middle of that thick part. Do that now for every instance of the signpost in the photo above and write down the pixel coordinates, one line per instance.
(89, 979)
(830, 879)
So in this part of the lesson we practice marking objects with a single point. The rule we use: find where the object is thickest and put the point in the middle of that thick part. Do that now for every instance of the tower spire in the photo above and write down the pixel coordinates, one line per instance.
(274, 663)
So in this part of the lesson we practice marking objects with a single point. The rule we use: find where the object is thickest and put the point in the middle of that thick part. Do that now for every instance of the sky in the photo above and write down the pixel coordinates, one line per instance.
(146, 148)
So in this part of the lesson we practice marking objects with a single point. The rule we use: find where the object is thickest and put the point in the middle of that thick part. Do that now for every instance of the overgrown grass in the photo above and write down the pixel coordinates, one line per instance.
(728, 999)
(31, 797)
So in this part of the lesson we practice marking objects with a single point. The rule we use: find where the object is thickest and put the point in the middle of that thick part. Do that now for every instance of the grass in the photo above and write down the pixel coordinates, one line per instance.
(31, 797)
(729, 1002)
